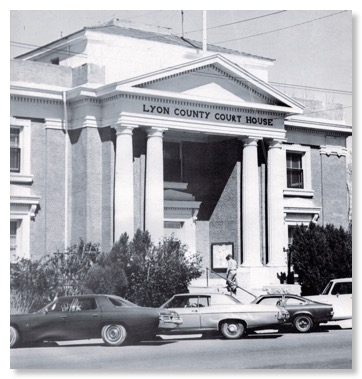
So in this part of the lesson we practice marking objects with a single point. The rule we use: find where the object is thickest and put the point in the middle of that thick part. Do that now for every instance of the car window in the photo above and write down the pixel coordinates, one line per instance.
(84, 305)
(188, 302)
(204, 301)
(61, 305)
(117, 302)
(269, 300)
(342, 289)
(293, 301)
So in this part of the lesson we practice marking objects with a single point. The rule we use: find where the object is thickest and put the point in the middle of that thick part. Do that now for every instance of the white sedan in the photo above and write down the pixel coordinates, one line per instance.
(207, 312)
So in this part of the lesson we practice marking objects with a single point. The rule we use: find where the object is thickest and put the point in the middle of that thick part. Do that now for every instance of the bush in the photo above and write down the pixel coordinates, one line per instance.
(320, 254)
(163, 271)
(30, 287)
(143, 273)
(34, 283)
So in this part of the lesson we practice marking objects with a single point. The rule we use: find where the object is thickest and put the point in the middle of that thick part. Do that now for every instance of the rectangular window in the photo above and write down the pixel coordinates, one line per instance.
(172, 162)
(13, 240)
(15, 152)
(173, 224)
(294, 170)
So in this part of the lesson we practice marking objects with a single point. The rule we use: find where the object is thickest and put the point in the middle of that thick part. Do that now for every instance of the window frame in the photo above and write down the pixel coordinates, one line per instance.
(305, 151)
(179, 161)
(23, 175)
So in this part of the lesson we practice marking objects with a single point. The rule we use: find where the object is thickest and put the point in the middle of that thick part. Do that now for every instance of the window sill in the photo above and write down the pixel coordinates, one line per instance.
(21, 178)
(298, 193)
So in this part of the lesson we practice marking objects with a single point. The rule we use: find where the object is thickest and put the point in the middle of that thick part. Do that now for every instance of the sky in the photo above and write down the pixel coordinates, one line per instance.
(312, 48)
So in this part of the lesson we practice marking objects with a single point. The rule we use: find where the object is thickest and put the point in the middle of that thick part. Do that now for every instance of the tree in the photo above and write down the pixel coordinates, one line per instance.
(320, 254)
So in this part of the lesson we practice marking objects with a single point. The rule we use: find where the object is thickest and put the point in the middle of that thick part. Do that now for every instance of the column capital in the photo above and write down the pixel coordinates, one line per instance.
(123, 129)
(250, 141)
(275, 144)
(156, 132)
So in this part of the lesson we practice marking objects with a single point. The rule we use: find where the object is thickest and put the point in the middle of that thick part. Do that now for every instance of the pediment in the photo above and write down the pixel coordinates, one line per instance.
(213, 79)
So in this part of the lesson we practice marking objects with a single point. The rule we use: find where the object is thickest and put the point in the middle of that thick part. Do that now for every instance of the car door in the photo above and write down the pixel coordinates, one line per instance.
(51, 323)
(84, 318)
(187, 307)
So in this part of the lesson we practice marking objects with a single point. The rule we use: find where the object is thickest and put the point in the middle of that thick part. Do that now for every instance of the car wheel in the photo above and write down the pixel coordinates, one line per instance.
(14, 337)
(303, 323)
(232, 329)
(114, 335)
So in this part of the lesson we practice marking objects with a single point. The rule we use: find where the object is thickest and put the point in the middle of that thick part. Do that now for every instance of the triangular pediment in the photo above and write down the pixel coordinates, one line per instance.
(213, 79)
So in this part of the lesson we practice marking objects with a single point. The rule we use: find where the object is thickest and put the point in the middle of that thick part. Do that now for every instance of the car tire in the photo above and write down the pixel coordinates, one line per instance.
(232, 329)
(14, 337)
(114, 335)
(303, 323)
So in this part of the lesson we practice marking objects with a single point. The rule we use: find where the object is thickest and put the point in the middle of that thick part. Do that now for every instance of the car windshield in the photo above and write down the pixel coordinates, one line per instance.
(327, 289)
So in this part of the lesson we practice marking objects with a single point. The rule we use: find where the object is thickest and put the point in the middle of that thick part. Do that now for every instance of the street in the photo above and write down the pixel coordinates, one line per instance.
(329, 348)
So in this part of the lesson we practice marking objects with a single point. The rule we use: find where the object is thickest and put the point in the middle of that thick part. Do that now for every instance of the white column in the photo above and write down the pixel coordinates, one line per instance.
(123, 192)
(154, 184)
(276, 179)
(250, 204)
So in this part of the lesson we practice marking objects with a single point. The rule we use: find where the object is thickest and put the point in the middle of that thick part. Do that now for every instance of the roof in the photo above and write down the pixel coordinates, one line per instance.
(113, 27)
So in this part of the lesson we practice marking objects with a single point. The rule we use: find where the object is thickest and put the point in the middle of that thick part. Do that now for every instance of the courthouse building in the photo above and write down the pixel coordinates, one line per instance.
(115, 129)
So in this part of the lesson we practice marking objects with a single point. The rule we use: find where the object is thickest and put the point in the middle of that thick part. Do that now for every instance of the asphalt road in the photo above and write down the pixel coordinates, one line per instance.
(327, 349)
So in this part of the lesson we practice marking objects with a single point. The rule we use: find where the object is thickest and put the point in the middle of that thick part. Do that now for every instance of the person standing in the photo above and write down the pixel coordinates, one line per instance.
(231, 279)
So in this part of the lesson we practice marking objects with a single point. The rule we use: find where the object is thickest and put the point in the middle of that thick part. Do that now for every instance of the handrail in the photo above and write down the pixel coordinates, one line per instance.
(207, 276)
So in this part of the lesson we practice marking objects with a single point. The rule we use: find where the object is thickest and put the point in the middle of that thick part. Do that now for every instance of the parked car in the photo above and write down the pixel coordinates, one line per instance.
(337, 292)
(207, 312)
(304, 314)
(111, 318)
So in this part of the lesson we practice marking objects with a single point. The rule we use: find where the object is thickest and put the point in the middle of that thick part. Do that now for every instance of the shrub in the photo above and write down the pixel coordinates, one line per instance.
(29, 286)
(320, 254)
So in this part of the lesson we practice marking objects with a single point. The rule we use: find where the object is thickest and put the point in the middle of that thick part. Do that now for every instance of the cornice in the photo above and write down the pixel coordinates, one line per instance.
(35, 100)
(315, 125)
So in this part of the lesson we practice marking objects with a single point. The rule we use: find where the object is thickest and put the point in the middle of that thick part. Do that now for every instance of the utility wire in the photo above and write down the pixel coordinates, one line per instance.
(298, 86)
(318, 89)
(277, 30)
(236, 22)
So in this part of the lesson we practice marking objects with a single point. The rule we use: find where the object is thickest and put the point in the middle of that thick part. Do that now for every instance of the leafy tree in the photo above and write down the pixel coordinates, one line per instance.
(320, 254)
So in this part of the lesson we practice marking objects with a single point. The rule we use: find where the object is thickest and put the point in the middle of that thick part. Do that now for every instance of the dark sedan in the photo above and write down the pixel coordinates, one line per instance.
(305, 314)
(112, 318)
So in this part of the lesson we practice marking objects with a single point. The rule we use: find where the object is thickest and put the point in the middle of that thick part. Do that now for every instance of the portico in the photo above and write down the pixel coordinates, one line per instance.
(150, 106)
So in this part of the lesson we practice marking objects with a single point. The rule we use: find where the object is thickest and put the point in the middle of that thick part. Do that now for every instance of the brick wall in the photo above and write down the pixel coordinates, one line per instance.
(38, 72)
(54, 190)
(38, 165)
(334, 190)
